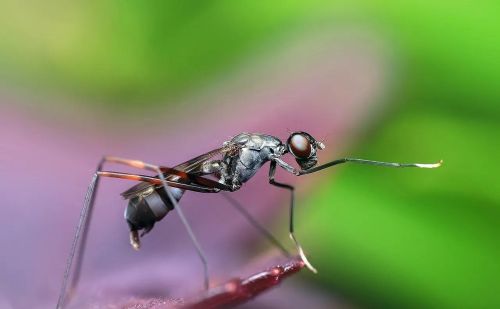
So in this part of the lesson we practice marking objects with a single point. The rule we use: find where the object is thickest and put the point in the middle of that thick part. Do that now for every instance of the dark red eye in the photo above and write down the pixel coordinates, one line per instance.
(300, 146)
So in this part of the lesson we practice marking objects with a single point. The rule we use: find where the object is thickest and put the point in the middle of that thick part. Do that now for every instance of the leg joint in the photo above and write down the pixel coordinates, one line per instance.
(281, 185)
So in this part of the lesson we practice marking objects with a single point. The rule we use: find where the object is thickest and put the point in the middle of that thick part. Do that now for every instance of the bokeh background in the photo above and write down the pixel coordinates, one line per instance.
(411, 81)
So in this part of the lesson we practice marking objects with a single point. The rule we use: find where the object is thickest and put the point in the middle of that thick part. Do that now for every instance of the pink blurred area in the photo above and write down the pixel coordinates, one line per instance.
(48, 155)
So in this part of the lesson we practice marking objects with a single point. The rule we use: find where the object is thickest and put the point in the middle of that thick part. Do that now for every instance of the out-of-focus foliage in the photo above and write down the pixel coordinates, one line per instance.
(384, 237)
(414, 239)
(128, 52)
(441, 249)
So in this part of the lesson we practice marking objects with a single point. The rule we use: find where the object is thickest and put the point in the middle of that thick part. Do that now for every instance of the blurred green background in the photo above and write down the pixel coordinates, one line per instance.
(419, 242)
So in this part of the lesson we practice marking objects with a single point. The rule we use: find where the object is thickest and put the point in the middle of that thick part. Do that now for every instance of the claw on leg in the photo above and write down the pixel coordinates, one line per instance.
(302, 255)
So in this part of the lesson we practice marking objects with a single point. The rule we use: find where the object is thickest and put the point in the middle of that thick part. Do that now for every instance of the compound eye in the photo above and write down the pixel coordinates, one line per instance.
(300, 146)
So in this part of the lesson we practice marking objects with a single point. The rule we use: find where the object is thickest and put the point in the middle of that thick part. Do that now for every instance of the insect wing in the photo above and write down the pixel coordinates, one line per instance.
(191, 166)
(195, 165)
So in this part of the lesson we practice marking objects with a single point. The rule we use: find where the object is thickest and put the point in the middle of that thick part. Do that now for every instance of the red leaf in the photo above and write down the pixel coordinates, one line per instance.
(235, 291)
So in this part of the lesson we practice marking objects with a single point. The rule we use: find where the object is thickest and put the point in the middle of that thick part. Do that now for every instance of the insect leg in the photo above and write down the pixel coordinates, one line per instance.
(233, 202)
(157, 181)
(272, 171)
(196, 244)
(169, 171)
(81, 231)
(177, 207)
(80, 237)
(369, 162)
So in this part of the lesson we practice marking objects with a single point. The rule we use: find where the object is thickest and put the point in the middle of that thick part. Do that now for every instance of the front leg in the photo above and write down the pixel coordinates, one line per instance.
(272, 171)
(285, 166)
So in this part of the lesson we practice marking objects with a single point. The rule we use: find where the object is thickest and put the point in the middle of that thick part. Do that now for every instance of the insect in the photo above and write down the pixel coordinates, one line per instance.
(229, 167)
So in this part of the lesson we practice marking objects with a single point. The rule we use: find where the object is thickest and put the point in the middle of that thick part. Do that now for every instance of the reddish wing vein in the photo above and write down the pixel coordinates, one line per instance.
(191, 166)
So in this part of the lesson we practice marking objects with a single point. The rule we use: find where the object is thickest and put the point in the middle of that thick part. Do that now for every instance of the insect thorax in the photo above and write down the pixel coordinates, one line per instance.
(255, 151)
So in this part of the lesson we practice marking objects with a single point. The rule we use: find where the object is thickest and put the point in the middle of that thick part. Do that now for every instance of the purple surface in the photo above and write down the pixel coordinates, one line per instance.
(47, 160)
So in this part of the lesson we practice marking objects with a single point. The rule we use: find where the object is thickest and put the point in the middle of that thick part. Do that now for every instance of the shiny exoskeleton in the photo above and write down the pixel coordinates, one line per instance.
(149, 204)
(223, 169)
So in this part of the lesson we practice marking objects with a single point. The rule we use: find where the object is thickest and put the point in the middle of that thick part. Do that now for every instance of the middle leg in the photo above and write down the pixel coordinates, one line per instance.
(233, 202)
(158, 169)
